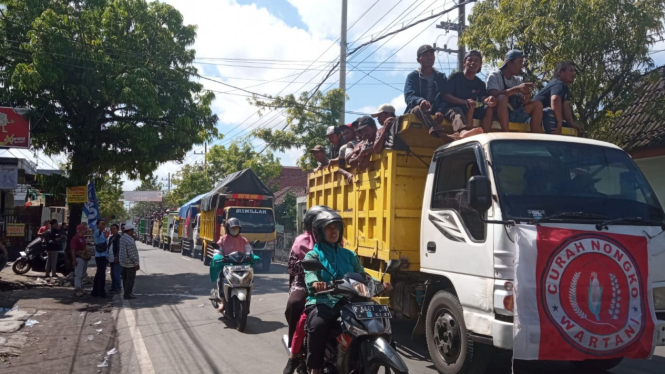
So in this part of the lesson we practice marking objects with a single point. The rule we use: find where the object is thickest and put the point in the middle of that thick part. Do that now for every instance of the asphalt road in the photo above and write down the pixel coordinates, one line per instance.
(172, 328)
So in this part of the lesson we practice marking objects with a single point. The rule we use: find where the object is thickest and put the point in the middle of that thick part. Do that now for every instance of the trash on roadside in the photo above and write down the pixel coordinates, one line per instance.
(99, 330)
(91, 338)
(82, 314)
(112, 352)
(201, 305)
(103, 364)
(31, 322)
(98, 323)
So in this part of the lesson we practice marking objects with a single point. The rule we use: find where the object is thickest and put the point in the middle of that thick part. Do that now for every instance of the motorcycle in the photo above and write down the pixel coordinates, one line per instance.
(34, 258)
(235, 283)
(361, 341)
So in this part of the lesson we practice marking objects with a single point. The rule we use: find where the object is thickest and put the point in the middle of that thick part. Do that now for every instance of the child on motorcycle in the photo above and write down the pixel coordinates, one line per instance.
(323, 310)
(231, 242)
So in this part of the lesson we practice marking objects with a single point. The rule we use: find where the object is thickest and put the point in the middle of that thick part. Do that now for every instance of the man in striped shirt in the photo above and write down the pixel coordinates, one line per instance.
(129, 260)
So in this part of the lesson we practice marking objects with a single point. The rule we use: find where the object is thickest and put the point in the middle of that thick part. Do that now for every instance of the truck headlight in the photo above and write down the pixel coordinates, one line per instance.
(659, 298)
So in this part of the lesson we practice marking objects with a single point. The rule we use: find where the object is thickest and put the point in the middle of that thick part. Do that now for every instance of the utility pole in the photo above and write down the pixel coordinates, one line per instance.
(459, 27)
(342, 61)
(205, 158)
(168, 180)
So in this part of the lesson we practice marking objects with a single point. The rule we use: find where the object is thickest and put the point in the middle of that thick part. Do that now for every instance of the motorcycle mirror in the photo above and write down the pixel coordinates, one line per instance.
(255, 243)
(391, 267)
(312, 265)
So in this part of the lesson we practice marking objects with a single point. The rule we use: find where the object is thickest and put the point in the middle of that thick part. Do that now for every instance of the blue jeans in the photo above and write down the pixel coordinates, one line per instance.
(116, 276)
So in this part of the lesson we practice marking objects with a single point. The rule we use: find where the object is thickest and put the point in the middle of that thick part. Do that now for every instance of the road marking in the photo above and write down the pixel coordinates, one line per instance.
(145, 364)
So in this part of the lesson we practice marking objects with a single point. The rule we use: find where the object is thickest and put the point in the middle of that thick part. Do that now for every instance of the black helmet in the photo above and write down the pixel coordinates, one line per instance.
(322, 220)
(312, 213)
(233, 222)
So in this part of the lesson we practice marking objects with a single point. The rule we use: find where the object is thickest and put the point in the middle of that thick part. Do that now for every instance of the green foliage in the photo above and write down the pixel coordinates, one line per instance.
(189, 182)
(223, 161)
(147, 208)
(285, 213)
(608, 40)
(306, 121)
(108, 82)
(109, 193)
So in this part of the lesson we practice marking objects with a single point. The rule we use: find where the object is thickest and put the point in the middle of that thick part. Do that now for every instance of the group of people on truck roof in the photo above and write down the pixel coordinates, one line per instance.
(460, 98)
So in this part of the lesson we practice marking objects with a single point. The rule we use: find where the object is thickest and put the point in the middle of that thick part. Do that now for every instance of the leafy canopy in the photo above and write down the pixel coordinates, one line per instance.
(608, 40)
(285, 213)
(306, 121)
(223, 161)
(109, 82)
(189, 182)
(109, 193)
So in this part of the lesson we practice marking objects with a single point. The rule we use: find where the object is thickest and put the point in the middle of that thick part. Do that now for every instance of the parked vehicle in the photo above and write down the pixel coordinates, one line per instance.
(187, 215)
(156, 231)
(34, 258)
(241, 195)
(448, 213)
(197, 251)
(144, 228)
(170, 234)
(235, 284)
(362, 340)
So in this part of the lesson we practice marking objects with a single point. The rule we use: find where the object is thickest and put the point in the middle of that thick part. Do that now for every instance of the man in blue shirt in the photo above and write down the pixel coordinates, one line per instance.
(101, 259)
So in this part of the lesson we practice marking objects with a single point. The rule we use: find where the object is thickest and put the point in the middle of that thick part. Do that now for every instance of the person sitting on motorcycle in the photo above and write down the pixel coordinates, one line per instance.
(297, 289)
(323, 310)
(231, 242)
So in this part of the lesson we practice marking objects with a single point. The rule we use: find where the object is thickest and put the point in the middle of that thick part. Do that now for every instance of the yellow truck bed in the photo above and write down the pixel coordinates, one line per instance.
(382, 208)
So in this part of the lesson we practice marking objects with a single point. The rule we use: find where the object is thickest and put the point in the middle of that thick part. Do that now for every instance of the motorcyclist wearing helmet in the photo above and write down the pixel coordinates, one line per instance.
(297, 289)
(232, 242)
(323, 310)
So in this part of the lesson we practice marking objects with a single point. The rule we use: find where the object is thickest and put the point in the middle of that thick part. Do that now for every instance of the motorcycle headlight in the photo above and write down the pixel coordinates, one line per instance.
(360, 288)
(659, 298)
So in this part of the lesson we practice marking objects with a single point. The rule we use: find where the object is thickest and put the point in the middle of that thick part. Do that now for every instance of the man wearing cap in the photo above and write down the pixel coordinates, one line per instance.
(466, 97)
(129, 260)
(361, 154)
(386, 136)
(513, 95)
(319, 154)
(423, 91)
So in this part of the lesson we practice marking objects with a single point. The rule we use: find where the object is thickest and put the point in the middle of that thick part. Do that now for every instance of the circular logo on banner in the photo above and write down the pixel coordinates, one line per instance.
(591, 290)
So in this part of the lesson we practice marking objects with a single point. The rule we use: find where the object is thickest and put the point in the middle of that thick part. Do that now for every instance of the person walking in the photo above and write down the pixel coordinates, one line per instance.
(80, 256)
(52, 238)
(101, 259)
(114, 259)
(129, 260)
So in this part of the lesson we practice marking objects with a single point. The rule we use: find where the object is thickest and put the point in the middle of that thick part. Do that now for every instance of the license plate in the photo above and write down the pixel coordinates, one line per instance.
(23, 254)
(371, 311)
(240, 268)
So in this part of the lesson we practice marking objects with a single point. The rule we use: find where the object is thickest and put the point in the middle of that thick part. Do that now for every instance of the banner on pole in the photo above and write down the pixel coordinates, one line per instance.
(143, 196)
(78, 194)
(91, 208)
(581, 295)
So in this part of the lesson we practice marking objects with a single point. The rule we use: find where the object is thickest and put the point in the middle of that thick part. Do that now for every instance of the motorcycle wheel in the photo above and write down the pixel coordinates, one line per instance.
(375, 368)
(240, 313)
(214, 295)
(21, 266)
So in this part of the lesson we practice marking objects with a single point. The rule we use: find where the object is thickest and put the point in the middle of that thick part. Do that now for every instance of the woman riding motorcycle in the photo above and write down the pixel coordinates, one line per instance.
(297, 289)
(323, 310)
(229, 243)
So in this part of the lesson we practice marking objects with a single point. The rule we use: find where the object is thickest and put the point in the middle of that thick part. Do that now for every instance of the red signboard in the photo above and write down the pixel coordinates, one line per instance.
(14, 128)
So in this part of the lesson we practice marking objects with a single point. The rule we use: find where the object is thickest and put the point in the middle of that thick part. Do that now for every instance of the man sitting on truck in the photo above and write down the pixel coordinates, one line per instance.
(319, 154)
(387, 136)
(513, 95)
(466, 97)
(336, 140)
(361, 153)
(556, 100)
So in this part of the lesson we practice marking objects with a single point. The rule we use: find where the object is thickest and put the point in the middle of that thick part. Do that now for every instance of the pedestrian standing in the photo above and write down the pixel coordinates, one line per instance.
(114, 259)
(101, 259)
(81, 256)
(129, 260)
(52, 238)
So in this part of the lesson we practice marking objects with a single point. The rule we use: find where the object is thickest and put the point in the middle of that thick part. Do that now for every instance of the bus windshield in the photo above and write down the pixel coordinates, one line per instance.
(254, 220)
(537, 179)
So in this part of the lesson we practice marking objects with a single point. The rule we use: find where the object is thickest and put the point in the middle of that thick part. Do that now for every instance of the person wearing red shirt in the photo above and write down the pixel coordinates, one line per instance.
(78, 245)
(42, 230)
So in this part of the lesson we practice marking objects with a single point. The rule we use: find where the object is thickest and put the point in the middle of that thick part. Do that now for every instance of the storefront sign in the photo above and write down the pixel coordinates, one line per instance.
(8, 177)
(143, 195)
(16, 229)
(78, 194)
(14, 128)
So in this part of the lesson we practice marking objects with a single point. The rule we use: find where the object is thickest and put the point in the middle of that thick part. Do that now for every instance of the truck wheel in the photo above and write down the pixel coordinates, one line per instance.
(597, 366)
(449, 343)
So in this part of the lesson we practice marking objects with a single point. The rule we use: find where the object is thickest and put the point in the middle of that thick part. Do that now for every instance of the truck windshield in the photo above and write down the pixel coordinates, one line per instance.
(254, 220)
(538, 179)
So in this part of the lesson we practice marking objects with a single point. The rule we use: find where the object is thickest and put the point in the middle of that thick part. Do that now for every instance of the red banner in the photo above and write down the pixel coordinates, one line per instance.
(592, 293)
(14, 129)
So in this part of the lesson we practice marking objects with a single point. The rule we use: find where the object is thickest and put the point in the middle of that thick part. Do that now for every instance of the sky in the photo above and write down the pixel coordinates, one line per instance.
(278, 47)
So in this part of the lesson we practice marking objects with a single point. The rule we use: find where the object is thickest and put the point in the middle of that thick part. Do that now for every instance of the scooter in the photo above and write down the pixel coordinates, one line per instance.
(235, 284)
(361, 341)
(34, 258)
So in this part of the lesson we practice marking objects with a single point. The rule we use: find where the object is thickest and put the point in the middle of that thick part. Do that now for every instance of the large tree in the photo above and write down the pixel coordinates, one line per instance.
(108, 82)
(223, 161)
(109, 193)
(307, 117)
(189, 182)
(286, 212)
(608, 40)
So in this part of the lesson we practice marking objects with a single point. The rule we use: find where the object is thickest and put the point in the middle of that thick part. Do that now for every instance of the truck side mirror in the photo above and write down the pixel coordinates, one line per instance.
(480, 193)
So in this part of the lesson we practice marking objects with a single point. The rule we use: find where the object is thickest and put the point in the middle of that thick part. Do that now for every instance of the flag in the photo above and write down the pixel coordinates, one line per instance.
(581, 295)
(91, 208)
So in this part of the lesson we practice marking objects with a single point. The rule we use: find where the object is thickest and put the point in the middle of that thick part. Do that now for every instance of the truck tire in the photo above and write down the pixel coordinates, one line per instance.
(597, 366)
(449, 343)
